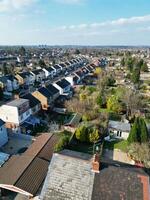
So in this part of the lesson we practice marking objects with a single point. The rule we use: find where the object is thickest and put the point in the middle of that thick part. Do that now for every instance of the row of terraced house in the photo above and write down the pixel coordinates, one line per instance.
(20, 114)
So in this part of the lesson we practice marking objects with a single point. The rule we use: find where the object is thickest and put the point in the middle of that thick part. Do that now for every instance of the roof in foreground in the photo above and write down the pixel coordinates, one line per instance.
(69, 177)
(26, 172)
(117, 183)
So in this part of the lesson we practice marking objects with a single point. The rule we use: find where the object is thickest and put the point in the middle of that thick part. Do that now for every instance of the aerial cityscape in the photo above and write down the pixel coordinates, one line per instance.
(74, 100)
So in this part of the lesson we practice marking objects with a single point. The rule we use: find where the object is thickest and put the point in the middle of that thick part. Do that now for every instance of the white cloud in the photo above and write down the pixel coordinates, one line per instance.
(117, 22)
(132, 20)
(70, 1)
(9, 5)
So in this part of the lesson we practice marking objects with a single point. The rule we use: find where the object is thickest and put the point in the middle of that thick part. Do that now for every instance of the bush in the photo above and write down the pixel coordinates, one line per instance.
(91, 89)
(93, 135)
(62, 143)
(87, 134)
(81, 133)
(140, 152)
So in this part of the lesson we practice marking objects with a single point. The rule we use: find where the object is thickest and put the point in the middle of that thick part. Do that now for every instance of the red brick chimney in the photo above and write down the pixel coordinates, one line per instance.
(146, 189)
(96, 163)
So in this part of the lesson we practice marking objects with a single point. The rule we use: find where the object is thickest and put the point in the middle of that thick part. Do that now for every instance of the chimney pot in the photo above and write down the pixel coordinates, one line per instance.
(16, 96)
(96, 163)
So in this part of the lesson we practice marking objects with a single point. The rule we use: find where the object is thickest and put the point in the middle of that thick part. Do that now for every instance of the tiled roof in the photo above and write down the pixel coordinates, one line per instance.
(27, 171)
(45, 92)
(32, 100)
(52, 89)
(50, 69)
(17, 102)
(33, 176)
(56, 67)
(24, 74)
(62, 64)
(119, 125)
(37, 71)
(115, 183)
(63, 83)
(68, 178)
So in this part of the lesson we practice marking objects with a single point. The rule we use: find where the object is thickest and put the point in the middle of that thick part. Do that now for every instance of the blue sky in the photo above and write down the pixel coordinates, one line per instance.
(78, 22)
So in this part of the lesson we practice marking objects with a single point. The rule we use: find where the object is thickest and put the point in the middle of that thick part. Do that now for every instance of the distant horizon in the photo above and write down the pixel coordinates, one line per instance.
(71, 45)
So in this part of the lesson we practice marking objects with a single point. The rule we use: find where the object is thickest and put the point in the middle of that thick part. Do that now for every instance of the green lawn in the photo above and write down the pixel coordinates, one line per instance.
(118, 144)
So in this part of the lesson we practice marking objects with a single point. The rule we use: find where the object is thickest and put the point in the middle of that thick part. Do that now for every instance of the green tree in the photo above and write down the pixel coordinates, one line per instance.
(144, 67)
(77, 51)
(129, 63)
(140, 63)
(5, 70)
(123, 62)
(113, 104)
(81, 133)
(62, 143)
(110, 81)
(135, 77)
(100, 101)
(93, 135)
(144, 132)
(139, 132)
(22, 51)
(42, 63)
(134, 133)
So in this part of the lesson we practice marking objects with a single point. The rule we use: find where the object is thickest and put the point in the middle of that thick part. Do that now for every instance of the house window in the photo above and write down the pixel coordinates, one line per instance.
(117, 133)
(120, 134)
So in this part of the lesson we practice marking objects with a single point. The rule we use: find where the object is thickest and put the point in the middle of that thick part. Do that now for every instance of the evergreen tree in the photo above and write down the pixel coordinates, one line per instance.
(22, 51)
(139, 132)
(135, 75)
(144, 131)
(42, 63)
(133, 136)
(123, 62)
(144, 67)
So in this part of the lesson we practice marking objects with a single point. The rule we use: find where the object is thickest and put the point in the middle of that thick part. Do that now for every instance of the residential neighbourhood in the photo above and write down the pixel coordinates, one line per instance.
(74, 100)
(69, 126)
